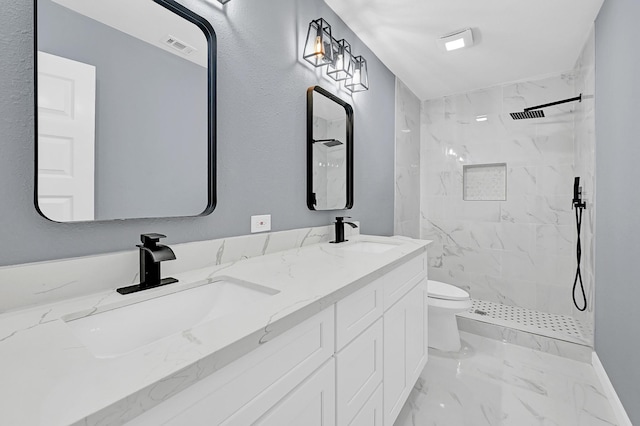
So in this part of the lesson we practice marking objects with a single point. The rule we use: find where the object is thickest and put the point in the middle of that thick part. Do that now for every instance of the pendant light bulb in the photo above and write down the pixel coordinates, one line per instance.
(319, 46)
(356, 76)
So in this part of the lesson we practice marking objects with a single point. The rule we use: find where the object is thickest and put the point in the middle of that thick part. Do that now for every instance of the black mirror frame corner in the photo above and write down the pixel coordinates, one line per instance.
(210, 35)
(212, 44)
(349, 118)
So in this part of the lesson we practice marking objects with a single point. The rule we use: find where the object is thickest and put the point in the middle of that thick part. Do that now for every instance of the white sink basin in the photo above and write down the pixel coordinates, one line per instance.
(368, 246)
(120, 330)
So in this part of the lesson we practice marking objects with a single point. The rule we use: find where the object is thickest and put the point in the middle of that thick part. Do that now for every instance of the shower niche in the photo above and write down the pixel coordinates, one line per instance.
(485, 182)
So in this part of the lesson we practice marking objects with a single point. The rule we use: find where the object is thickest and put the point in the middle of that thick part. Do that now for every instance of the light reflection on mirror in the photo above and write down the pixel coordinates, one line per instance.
(125, 117)
(330, 147)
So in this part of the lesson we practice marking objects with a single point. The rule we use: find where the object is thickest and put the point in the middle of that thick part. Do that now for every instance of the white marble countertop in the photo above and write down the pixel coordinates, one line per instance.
(50, 378)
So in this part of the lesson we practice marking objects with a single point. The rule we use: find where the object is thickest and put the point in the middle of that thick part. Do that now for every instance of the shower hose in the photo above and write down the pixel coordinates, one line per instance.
(578, 278)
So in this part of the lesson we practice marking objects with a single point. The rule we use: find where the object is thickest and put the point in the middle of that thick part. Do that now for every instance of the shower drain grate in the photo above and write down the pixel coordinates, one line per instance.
(541, 320)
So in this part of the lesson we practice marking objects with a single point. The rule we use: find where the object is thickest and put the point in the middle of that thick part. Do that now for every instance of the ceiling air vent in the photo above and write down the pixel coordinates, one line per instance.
(178, 45)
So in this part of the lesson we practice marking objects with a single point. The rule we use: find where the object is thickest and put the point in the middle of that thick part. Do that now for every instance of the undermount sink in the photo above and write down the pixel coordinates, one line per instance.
(368, 246)
(120, 330)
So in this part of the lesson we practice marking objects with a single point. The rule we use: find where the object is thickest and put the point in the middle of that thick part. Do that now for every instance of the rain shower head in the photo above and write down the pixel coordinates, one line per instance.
(536, 111)
(328, 142)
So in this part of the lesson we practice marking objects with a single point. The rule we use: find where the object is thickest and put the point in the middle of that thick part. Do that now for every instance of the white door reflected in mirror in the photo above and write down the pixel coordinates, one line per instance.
(66, 138)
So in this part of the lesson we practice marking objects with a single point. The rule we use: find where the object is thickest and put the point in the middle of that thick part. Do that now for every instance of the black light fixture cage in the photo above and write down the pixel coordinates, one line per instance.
(322, 49)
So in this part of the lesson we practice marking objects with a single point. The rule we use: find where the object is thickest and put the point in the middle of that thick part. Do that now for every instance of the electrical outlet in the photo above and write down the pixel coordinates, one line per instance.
(261, 223)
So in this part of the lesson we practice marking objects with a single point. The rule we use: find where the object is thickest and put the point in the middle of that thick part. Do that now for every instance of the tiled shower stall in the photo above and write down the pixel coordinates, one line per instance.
(517, 249)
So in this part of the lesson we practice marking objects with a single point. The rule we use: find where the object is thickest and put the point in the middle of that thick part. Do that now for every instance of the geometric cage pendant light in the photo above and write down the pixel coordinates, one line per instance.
(343, 62)
(318, 49)
(322, 49)
(360, 79)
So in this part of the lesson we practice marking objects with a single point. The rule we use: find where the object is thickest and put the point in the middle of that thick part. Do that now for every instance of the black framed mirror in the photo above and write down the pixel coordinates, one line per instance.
(125, 110)
(329, 151)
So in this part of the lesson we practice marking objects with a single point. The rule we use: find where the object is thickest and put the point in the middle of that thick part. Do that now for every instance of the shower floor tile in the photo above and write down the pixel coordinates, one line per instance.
(495, 383)
(561, 327)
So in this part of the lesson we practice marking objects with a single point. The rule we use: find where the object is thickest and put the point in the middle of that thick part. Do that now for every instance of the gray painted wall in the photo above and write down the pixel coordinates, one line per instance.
(617, 325)
(151, 117)
(262, 86)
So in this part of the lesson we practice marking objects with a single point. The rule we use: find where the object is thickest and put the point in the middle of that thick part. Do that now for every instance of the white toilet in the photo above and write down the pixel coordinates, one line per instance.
(445, 301)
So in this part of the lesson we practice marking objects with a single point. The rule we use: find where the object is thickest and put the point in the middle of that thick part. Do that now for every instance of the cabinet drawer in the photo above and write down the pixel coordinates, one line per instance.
(359, 372)
(357, 312)
(371, 413)
(253, 383)
(402, 279)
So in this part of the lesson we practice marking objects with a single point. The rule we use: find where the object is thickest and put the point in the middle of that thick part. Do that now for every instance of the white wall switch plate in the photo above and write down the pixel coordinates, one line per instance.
(261, 223)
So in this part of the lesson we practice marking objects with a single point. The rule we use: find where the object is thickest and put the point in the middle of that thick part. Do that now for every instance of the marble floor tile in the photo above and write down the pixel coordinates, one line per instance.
(494, 383)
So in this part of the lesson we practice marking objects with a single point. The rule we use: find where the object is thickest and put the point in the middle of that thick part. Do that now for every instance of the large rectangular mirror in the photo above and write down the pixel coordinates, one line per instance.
(329, 151)
(125, 108)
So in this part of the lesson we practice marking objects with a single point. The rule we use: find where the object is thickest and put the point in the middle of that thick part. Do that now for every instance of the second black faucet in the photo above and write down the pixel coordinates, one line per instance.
(340, 228)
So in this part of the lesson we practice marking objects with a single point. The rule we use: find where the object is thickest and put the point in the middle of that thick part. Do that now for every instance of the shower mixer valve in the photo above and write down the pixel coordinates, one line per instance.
(577, 201)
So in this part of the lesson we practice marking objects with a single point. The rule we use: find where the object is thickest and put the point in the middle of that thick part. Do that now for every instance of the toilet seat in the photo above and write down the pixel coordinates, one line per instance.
(440, 290)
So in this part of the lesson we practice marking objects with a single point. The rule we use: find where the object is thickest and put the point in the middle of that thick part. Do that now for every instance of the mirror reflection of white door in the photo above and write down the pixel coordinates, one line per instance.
(66, 138)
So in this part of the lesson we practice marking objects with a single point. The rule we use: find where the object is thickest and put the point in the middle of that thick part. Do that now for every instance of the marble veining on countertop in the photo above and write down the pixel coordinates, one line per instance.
(51, 378)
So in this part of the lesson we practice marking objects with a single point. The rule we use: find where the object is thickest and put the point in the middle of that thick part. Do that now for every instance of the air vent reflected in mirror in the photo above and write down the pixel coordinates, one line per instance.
(178, 45)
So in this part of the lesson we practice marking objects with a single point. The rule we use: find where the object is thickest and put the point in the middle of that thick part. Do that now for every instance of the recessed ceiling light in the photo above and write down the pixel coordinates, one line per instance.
(481, 118)
(456, 40)
(454, 44)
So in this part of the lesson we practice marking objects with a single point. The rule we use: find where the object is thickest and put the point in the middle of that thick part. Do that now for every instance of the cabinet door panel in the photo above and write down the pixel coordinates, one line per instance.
(405, 349)
(359, 372)
(310, 404)
(395, 321)
(371, 413)
(416, 308)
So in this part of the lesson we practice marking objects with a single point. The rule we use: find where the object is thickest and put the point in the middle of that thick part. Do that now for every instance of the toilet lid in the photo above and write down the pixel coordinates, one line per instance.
(439, 290)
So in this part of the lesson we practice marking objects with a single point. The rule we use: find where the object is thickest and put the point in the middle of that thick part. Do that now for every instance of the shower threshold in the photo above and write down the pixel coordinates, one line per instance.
(559, 327)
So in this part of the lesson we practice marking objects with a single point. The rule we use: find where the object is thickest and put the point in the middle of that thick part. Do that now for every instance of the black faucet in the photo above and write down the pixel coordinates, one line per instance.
(340, 228)
(151, 254)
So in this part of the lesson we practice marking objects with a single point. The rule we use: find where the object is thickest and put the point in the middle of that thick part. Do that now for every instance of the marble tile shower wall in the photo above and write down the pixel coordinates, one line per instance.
(336, 165)
(407, 201)
(519, 251)
(329, 170)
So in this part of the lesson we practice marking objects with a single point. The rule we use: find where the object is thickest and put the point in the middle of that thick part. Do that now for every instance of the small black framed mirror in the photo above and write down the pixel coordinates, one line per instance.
(125, 110)
(329, 151)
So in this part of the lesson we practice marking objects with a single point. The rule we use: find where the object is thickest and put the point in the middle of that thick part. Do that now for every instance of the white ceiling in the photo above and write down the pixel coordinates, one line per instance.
(514, 39)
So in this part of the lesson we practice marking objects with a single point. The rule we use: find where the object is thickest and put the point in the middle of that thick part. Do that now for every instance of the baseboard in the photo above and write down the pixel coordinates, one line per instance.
(612, 396)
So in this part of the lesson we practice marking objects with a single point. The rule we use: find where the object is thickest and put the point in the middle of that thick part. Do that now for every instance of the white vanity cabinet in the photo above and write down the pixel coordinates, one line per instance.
(376, 369)
(352, 364)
